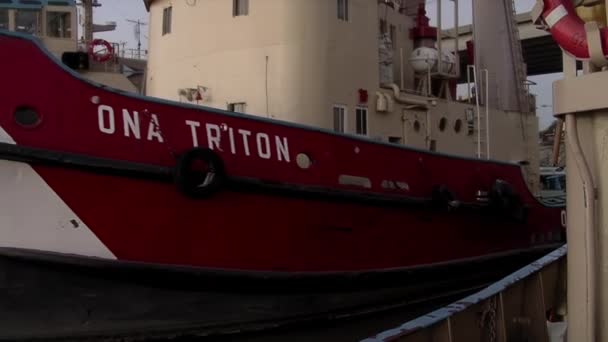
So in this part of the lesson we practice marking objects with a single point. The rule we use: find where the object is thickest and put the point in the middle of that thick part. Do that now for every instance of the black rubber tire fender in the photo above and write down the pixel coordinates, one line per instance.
(194, 183)
(506, 201)
(442, 197)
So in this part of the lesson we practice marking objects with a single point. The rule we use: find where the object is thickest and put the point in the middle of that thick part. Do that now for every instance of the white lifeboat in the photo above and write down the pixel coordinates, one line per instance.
(568, 29)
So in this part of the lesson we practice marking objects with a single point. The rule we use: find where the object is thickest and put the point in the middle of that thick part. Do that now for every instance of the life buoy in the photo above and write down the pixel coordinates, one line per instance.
(199, 173)
(568, 29)
(101, 57)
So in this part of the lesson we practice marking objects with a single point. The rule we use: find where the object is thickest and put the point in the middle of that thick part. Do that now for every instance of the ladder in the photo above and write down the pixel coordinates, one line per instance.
(482, 127)
(518, 58)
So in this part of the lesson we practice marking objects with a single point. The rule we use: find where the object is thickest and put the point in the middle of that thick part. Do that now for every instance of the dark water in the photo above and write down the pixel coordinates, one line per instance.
(350, 329)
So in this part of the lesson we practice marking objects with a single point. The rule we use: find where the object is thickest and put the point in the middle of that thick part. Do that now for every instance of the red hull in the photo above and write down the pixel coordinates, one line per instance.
(147, 220)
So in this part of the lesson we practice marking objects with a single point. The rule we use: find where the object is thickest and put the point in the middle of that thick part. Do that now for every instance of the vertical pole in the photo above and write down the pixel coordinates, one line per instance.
(138, 24)
(485, 71)
(11, 20)
(456, 40)
(401, 81)
(429, 85)
(477, 92)
(138, 39)
(88, 20)
(469, 83)
(439, 38)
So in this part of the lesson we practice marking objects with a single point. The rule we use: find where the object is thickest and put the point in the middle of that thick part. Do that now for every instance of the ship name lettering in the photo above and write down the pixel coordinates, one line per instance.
(237, 140)
(106, 120)
(218, 137)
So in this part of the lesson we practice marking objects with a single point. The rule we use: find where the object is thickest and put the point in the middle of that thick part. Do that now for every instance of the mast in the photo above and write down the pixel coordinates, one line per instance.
(501, 57)
(88, 18)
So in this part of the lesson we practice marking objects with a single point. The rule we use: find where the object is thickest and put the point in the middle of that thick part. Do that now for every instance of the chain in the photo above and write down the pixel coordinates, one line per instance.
(488, 319)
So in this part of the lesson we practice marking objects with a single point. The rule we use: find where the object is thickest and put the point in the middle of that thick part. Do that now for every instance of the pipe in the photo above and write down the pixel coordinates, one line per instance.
(409, 100)
(429, 131)
(401, 71)
(487, 86)
(573, 142)
(266, 86)
(568, 29)
(477, 109)
(439, 40)
(469, 94)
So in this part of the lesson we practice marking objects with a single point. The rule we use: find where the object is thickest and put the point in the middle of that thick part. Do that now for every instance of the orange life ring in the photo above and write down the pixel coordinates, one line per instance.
(101, 57)
(568, 29)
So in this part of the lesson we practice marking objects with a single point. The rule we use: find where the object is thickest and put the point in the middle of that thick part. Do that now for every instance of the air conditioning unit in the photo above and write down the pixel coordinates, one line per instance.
(198, 94)
(205, 93)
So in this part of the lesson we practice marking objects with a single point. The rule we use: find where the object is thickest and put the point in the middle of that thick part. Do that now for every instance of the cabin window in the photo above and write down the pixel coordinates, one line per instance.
(167, 14)
(3, 19)
(458, 126)
(361, 118)
(240, 7)
(237, 107)
(553, 182)
(343, 10)
(339, 119)
(27, 21)
(443, 122)
(59, 24)
(393, 33)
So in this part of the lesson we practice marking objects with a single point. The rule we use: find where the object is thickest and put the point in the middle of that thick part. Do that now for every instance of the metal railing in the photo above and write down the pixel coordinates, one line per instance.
(131, 53)
(520, 307)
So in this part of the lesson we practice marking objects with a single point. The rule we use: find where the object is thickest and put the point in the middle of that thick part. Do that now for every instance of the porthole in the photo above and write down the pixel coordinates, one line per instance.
(443, 122)
(27, 117)
(416, 126)
(458, 126)
(303, 160)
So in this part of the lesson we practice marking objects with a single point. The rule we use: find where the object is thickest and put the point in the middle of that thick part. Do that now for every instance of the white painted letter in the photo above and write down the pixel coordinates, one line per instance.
(213, 139)
(245, 135)
(193, 126)
(110, 128)
(131, 124)
(154, 129)
(231, 136)
(263, 147)
(282, 149)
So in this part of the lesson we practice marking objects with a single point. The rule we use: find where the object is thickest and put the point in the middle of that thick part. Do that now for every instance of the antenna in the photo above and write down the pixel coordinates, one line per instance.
(137, 30)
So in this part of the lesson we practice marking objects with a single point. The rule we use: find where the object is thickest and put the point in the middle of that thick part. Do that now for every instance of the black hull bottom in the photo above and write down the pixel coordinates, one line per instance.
(43, 298)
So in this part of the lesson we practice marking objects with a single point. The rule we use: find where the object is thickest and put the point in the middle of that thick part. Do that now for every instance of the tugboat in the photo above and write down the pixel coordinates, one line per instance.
(173, 214)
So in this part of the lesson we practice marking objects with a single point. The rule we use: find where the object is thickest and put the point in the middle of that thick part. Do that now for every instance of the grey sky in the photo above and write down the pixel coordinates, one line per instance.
(121, 10)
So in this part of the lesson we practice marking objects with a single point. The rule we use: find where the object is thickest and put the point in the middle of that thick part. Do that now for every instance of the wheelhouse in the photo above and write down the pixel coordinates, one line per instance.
(53, 21)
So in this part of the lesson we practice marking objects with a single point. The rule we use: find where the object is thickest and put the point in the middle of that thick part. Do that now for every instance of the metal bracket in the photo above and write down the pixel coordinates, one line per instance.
(536, 14)
(594, 44)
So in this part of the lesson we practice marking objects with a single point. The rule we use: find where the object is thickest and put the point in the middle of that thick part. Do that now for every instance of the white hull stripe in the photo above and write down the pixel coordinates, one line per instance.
(556, 15)
(33, 216)
(5, 138)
